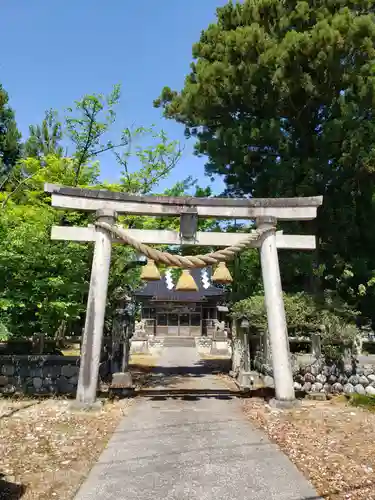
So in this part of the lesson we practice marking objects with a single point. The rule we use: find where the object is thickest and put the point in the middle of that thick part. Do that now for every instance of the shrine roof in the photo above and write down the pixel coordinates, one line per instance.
(165, 288)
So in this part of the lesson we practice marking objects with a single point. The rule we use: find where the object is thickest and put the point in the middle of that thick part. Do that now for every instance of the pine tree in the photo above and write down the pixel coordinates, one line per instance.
(10, 145)
(45, 138)
(281, 100)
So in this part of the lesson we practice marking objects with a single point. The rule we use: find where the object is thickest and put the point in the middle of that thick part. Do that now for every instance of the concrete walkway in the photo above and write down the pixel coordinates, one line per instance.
(180, 446)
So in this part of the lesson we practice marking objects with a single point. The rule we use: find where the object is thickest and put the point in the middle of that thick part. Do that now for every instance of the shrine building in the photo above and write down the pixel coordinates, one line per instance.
(167, 312)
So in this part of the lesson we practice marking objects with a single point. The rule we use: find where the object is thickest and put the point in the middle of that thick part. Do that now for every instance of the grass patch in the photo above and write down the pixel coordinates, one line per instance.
(142, 360)
(71, 352)
(362, 401)
(215, 356)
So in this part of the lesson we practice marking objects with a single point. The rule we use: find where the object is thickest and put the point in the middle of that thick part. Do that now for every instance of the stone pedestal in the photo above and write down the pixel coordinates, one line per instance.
(203, 345)
(122, 384)
(283, 404)
(155, 345)
(251, 380)
(95, 407)
(139, 346)
(221, 348)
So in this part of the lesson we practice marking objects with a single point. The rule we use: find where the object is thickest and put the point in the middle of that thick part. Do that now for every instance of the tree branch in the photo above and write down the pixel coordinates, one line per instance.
(83, 155)
(108, 148)
(19, 185)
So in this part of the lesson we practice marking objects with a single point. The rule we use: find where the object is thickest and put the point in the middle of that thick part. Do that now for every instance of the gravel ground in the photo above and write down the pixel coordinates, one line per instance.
(330, 442)
(46, 450)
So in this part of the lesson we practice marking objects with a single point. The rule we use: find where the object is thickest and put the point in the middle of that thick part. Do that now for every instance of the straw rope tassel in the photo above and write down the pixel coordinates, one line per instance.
(222, 274)
(150, 272)
(186, 282)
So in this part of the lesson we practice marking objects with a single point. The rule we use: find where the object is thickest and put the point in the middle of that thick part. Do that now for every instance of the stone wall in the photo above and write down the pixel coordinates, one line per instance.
(39, 374)
(317, 376)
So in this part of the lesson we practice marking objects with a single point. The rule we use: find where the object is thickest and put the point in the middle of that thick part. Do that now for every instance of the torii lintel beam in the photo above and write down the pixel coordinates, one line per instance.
(165, 237)
(222, 208)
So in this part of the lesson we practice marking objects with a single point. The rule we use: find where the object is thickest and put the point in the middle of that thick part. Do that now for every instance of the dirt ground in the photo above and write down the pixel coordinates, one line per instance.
(47, 450)
(331, 442)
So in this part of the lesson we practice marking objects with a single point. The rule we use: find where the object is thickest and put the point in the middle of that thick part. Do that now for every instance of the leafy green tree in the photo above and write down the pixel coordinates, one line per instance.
(87, 127)
(281, 98)
(88, 122)
(154, 162)
(30, 174)
(246, 274)
(42, 282)
(10, 137)
(45, 139)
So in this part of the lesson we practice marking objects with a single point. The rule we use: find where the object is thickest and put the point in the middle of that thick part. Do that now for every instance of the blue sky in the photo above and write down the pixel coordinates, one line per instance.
(54, 52)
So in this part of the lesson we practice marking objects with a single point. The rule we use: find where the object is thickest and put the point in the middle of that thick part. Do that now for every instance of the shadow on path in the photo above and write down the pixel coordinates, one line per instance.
(163, 380)
(188, 394)
(162, 377)
(164, 393)
(10, 491)
(198, 369)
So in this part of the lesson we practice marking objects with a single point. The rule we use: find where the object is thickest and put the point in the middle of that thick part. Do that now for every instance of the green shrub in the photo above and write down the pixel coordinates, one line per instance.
(337, 336)
(300, 313)
(305, 316)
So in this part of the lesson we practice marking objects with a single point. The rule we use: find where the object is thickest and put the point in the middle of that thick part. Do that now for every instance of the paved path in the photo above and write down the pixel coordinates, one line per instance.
(191, 447)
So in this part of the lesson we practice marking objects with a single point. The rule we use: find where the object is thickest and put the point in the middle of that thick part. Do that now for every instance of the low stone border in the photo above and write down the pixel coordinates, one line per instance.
(38, 374)
(331, 379)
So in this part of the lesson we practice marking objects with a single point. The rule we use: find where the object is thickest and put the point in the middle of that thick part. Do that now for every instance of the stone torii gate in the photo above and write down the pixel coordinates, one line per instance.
(107, 205)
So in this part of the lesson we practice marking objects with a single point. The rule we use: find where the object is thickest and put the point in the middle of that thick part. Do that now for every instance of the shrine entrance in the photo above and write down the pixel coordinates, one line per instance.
(105, 232)
(181, 321)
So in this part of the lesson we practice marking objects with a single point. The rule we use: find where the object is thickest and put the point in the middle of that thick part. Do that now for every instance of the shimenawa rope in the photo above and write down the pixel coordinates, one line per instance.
(185, 262)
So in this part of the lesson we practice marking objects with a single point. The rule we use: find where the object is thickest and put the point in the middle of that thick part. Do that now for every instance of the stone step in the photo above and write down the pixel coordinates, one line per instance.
(179, 342)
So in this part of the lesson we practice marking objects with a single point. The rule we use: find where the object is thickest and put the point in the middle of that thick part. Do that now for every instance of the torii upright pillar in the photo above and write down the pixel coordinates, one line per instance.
(96, 303)
(277, 327)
